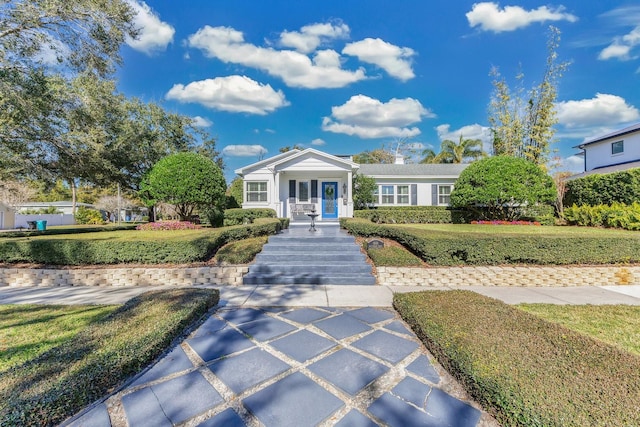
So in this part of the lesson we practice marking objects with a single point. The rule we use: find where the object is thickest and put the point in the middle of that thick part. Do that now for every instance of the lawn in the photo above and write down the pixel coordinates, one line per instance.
(52, 386)
(525, 370)
(614, 324)
(516, 230)
(27, 331)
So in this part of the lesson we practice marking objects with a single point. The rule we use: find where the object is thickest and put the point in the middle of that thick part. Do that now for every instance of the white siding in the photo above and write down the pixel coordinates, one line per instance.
(599, 154)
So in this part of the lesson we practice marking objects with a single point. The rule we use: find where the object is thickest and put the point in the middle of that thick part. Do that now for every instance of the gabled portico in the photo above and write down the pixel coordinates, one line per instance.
(299, 181)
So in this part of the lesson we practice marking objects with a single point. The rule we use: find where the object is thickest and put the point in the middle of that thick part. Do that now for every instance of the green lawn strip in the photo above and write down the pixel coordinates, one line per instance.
(615, 324)
(525, 370)
(497, 245)
(241, 251)
(27, 330)
(55, 385)
(131, 246)
(393, 256)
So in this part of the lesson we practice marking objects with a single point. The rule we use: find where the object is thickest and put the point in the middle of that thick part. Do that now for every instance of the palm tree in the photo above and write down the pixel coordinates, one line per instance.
(465, 149)
(429, 156)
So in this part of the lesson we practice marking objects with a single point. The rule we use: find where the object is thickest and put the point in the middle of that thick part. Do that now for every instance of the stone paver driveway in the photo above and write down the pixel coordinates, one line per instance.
(291, 367)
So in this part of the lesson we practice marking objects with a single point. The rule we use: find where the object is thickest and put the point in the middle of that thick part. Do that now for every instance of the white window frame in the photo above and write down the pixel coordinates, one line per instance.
(261, 193)
(446, 196)
(405, 196)
(298, 191)
(384, 197)
(616, 144)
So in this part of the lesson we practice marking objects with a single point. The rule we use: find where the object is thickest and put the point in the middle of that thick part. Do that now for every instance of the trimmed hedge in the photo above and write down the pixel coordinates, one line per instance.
(119, 249)
(64, 380)
(524, 370)
(543, 214)
(407, 215)
(604, 189)
(618, 215)
(246, 216)
(446, 248)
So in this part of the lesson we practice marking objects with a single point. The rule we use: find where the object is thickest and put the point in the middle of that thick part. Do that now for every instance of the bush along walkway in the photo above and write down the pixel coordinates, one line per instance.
(293, 367)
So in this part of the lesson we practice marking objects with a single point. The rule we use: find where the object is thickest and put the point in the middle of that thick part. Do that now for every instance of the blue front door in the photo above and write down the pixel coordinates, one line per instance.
(329, 200)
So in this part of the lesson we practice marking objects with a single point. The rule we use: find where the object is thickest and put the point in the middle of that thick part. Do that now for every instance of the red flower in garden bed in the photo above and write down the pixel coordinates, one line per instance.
(497, 222)
(168, 225)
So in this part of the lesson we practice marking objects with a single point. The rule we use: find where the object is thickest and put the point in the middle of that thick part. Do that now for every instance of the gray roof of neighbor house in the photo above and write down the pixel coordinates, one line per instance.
(435, 169)
(619, 132)
(56, 204)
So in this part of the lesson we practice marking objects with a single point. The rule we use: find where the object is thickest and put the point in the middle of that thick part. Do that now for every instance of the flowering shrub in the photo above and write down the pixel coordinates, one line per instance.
(496, 222)
(168, 225)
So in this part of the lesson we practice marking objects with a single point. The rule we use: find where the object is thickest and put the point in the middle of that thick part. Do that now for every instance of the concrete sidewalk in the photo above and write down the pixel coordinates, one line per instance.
(324, 295)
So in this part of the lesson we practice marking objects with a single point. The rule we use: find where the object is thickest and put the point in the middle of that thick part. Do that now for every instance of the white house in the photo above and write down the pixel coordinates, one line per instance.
(612, 152)
(300, 181)
(7, 217)
(64, 207)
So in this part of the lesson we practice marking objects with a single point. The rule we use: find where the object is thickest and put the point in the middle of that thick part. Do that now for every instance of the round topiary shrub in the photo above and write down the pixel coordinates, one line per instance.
(502, 188)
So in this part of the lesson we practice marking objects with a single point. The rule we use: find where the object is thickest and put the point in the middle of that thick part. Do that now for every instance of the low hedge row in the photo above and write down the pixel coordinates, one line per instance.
(617, 215)
(543, 214)
(198, 245)
(524, 370)
(446, 248)
(246, 216)
(407, 215)
(62, 381)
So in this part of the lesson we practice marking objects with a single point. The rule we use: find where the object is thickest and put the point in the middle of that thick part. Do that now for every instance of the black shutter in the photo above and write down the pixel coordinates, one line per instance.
(314, 191)
(414, 194)
(434, 194)
(292, 191)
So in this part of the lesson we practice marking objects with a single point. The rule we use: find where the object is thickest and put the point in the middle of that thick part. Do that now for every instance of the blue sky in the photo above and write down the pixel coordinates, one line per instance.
(347, 76)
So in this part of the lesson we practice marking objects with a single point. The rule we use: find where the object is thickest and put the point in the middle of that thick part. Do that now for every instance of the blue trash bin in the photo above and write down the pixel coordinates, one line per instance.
(41, 225)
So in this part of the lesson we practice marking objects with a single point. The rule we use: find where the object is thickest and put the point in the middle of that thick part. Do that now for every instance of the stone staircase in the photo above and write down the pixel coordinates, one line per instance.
(297, 256)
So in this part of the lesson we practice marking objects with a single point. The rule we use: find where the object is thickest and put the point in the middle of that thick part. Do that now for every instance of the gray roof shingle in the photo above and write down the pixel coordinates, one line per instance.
(435, 169)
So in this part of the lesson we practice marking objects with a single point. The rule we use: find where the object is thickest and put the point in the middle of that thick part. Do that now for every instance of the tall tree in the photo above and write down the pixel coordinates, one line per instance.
(379, 155)
(43, 45)
(464, 151)
(523, 122)
(288, 148)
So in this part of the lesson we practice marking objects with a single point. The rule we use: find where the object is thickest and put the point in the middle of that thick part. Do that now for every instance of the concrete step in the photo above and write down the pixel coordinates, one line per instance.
(308, 279)
(316, 257)
(297, 267)
(311, 249)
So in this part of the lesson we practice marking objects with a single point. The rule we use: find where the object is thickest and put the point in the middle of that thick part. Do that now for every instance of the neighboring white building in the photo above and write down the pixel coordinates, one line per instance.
(7, 217)
(63, 207)
(612, 152)
(299, 181)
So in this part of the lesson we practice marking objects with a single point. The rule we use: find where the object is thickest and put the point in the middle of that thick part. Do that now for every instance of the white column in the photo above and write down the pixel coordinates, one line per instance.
(276, 194)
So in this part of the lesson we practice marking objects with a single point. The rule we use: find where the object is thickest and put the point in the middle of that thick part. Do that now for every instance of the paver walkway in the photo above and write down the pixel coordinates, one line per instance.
(292, 367)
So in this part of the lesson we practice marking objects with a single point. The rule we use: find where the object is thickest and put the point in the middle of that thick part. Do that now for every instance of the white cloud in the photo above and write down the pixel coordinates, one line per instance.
(202, 122)
(244, 150)
(311, 36)
(621, 47)
(603, 110)
(237, 94)
(294, 68)
(393, 59)
(154, 35)
(370, 118)
(489, 17)
(474, 131)
(318, 141)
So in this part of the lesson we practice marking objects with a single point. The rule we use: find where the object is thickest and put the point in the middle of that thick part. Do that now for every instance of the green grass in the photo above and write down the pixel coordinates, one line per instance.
(522, 369)
(393, 256)
(551, 231)
(61, 381)
(27, 331)
(614, 324)
(240, 252)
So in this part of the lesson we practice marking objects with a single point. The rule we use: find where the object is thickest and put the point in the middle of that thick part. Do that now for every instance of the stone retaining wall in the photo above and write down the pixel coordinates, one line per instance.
(510, 276)
(125, 276)
(396, 276)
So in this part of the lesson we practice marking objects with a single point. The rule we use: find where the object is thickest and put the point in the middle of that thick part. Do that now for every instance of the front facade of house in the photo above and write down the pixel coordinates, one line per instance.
(612, 152)
(300, 182)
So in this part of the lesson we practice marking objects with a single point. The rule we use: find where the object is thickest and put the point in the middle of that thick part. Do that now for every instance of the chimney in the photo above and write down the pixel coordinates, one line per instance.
(399, 159)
